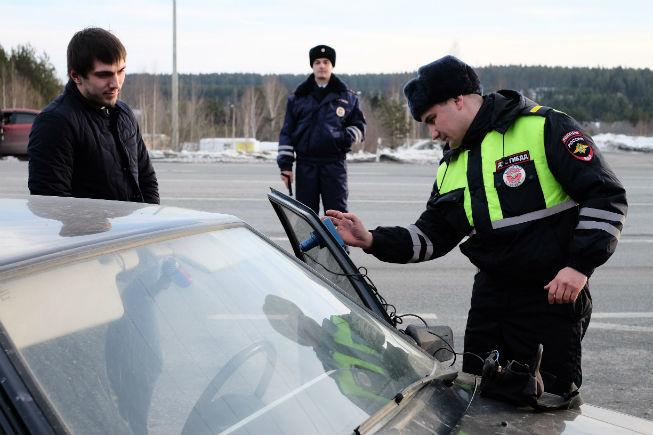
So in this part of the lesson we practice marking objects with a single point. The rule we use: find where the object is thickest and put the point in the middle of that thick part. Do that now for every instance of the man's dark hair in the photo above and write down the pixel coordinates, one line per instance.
(90, 44)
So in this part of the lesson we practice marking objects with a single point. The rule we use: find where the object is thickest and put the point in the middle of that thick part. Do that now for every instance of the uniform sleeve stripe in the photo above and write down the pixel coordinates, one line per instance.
(416, 247)
(602, 214)
(285, 147)
(358, 135)
(286, 153)
(592, 225)
(422, 246)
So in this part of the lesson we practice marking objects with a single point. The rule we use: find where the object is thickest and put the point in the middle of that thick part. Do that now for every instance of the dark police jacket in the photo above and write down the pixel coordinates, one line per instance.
(535, 241)
(78, 149)
(320, 131)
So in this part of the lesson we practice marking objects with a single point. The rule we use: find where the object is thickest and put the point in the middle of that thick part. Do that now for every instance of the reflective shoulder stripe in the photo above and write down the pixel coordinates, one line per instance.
(593, 225)
(420, 241)
(534, 215)
(602, 214)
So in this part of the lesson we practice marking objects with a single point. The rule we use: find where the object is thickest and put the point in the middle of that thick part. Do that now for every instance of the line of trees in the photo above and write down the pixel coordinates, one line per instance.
(253, 105)
(588, 94)
(27, 80)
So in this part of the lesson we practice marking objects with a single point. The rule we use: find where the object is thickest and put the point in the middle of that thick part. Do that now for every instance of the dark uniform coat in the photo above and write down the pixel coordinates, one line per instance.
(509, 309)
(319, 129)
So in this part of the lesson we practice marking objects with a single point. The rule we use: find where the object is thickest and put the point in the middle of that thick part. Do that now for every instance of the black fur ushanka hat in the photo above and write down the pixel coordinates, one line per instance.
(438, 81)
(322, 51)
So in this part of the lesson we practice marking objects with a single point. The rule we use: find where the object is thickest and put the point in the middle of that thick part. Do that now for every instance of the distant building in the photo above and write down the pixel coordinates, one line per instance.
(217, 144)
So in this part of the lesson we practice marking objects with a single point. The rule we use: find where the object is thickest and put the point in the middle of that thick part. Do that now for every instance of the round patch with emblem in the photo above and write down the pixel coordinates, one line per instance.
(514, 176)
(340, 111)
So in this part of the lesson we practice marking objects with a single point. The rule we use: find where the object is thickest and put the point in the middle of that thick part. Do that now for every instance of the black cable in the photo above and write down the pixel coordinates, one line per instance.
(443, 340)
(473, 354)
(453, 351)
(389, 308)
(448, 348)
(412, 315)
(392, 312)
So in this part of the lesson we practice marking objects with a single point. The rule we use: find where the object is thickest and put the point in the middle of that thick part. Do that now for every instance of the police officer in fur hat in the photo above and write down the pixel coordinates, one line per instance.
(538, 209)
(323, 121)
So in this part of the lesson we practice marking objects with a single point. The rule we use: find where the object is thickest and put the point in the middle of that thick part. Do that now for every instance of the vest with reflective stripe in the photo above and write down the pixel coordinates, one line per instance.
(347, 355)
(526, 134)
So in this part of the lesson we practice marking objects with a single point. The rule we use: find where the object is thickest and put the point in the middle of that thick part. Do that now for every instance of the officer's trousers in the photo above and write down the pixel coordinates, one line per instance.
(325, 179)
(514, 317)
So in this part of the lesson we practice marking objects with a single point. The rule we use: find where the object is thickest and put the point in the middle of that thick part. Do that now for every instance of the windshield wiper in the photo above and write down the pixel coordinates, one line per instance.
(448, 374)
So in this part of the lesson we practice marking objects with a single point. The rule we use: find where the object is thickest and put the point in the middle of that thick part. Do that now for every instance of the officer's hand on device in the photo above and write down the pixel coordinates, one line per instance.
(566, 286)
(351, 229)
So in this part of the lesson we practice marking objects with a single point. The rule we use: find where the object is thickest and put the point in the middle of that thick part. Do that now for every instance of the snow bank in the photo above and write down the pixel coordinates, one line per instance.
(421, 152)
(609, 142)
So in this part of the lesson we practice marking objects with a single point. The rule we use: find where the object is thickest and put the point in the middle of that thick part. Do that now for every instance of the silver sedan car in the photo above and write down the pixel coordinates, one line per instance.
(129, 318)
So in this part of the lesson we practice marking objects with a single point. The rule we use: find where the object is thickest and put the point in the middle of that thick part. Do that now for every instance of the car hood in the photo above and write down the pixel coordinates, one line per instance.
(427, 412)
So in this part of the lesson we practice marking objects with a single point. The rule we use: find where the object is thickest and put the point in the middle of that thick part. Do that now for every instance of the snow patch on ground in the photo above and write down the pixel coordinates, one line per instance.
(421, 152)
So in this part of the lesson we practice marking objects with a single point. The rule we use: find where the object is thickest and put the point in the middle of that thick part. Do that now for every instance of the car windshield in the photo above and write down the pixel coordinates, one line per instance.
(217, 332)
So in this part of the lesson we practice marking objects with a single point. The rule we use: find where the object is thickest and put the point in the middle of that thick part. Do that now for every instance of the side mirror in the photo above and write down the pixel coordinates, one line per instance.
(436, 340)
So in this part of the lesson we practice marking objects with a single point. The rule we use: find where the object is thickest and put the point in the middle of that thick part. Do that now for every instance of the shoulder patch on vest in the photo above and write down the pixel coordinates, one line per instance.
(578, 146)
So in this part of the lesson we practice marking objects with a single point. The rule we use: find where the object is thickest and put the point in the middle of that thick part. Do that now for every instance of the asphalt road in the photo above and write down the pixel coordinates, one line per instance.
(618, 347)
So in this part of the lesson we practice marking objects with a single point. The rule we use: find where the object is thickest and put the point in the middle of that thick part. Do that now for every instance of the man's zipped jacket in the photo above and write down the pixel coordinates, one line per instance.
(320, 128)
(79, 149)
(529, 190)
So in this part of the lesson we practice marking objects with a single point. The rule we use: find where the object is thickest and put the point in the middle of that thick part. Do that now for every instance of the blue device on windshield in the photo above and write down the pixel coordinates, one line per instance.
(315, 238)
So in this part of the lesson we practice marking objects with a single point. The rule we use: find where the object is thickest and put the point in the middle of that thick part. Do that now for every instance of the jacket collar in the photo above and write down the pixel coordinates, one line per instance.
(498, 111)
(307, 86)
(71, 88)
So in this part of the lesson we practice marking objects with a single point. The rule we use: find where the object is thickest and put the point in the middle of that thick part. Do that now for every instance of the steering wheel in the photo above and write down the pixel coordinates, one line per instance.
(214, 413)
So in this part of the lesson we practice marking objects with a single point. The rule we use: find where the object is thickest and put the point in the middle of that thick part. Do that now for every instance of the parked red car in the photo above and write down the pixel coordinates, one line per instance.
(16, 124)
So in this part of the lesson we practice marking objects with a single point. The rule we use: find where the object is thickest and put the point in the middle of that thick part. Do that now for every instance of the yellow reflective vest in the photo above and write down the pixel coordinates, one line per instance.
(517, 184)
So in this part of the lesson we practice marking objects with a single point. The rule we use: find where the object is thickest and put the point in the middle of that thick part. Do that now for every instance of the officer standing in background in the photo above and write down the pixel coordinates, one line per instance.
(537, 204)
(323, 121)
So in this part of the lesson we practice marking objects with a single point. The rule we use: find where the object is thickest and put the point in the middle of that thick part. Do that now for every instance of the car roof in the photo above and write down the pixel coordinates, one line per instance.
(42, 226)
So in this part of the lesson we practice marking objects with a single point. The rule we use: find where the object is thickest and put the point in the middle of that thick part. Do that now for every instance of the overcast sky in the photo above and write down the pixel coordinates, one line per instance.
(265, 36)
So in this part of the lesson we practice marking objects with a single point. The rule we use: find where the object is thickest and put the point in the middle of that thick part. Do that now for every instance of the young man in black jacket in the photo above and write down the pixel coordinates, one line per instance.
(537, 204)
(323, 121)
(86, 143)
